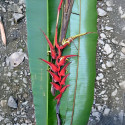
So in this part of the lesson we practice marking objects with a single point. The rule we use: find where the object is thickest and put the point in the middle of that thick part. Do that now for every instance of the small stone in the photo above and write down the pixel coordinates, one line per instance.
(107, 49)
(15, 8)
(24, 80)
(21, 1)
(9, 74)
(17, 16)
(109, 64)
(122, 43)
(99, 108)
(114, 93)
(106, 112)
(1, 118)
(111, 55)
(12, 103)
(123, 50)
(122, 85)
(25, 103)
(109, 9)
(3, 103)
(101, 12)
(100, 41)
(103, 66)
(96, 114)
(100, 76)
(102, 35)
(123, 16)
(3, 9)
(121, 116)
(109, 3)
(114, 41)
(103, 92)
(108, 28)
(120, 10)
(123, 29)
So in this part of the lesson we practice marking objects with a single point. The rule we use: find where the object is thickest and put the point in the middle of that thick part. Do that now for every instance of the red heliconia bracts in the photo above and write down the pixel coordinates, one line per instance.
(55, 77)
(62, 72)
(62, 59)
(58, 72)
(58, 97)
(53, 67)
(52, 49)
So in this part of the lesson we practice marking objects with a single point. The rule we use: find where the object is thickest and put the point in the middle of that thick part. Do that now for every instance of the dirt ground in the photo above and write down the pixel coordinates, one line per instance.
(16, 101)
(109, 102)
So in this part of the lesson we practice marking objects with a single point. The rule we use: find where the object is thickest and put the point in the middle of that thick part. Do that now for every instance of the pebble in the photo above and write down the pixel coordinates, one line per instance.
(109, 64)
(114, 93)
(9, 74)
(101, 12)
(109, 3)
(123, 16)
(1, 118)
(120, 10)
(3, 9)
(123, 50)
(102, 35)
(15, 8)
(106, 112)
(122, 85)
(103, 92)
(17, 16)
(121, 116)
(100, 41)
(21, 1)
(107, 49)
(3, 103)
(114, 41)
(108, 28)
(100, 76)
(12, 103)
(24, 80)
(103, 66)
(109, 9)
(122, 43)
(111, 55)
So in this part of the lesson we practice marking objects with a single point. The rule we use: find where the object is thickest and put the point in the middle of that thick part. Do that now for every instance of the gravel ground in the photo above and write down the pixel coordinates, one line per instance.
(109, 102)
(16, 101)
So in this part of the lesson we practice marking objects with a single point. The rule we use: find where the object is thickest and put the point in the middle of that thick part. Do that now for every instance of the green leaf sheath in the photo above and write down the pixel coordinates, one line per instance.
(77, 101)
(42, 14)
(36, 11)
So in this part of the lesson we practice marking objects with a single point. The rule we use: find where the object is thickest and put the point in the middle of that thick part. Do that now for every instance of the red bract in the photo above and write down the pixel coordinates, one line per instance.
(52, 49)
(54, 76)
(58, 97)
(62, 72)
(56, 86)
(53, 67)
(63, 80)
(63, 59)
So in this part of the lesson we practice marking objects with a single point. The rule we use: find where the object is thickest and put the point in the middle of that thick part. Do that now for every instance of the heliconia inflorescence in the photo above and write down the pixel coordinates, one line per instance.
(58, 72)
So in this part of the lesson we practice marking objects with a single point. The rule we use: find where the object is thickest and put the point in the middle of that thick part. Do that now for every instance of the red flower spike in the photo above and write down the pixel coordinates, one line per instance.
(56, 86)
(54, 76)
(58, 97)
(53, 53)
(62, 72)
(53, 67)
(63, 80)
(63, 59)
(64, 88)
